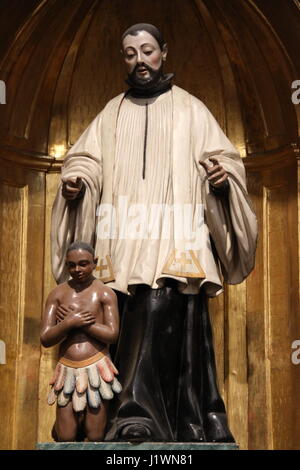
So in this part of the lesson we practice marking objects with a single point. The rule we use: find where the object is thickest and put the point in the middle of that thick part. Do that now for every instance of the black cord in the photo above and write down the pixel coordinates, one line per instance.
(145, 142)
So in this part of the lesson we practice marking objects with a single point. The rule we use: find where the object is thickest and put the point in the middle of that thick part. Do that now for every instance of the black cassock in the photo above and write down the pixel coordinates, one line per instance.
(167, 369)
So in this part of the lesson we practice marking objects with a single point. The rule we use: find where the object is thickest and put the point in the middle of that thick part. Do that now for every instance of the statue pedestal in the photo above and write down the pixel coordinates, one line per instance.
(148, 446)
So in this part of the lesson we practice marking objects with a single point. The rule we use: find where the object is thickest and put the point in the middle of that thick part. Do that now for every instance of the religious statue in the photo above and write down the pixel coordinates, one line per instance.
(81, 315)
(160, 192)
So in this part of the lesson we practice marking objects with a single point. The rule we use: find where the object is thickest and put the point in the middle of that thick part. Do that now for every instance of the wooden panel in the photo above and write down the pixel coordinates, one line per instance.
(39, 52)
(279, 315)
(13, 216)
(287, 30)
(236, 380)
(259, 319)
(296, 328)
(48, 355)
(272, 308)
(216, 312)
(234, 125)
(259, 411)
(22, 247)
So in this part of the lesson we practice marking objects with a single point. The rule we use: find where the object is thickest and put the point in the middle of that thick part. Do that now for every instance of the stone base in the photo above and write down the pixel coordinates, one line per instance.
(128, 446)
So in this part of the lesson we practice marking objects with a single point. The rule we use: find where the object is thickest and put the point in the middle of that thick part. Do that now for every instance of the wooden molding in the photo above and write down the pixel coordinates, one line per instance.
(276, 159)
(32, 161)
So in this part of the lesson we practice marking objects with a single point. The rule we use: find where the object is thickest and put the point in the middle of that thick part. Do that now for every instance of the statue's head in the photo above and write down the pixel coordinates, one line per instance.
(144, 51)
(80, 261)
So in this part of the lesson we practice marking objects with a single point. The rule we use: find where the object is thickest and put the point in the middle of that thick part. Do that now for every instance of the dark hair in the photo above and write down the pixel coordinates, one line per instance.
(79, 245)
(150, 28)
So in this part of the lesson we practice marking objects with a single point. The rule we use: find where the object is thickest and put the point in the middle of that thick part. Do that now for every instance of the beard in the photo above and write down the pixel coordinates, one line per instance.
(145, 83)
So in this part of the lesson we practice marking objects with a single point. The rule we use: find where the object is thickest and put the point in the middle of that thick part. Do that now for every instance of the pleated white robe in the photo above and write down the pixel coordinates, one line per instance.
(147, 229)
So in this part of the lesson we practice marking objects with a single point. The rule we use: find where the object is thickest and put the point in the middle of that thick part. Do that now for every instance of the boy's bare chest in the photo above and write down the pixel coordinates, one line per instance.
(88, 300)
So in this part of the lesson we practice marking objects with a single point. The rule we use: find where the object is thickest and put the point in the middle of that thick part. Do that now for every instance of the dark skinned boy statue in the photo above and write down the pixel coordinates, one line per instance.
(82, 315)
(160, 192)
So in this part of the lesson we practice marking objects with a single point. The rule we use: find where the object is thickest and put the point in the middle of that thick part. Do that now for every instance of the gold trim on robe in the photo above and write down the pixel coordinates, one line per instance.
(107, 268)
(188, 263)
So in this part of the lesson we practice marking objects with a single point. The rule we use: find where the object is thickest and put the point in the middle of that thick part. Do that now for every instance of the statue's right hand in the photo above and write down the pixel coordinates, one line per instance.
(71, 187)
(80, 319)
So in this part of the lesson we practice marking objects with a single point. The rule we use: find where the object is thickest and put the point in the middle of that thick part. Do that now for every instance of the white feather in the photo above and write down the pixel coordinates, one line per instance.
(61, 378)
(94, 378)
(78, 401)
(63, 399)
(52, 396)
(105, 390)
(93, 395)
(81, 379)
(116, 386)
(69, 381)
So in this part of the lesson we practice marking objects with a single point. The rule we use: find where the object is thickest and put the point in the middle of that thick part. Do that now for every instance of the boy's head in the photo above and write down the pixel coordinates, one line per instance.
(81, 261)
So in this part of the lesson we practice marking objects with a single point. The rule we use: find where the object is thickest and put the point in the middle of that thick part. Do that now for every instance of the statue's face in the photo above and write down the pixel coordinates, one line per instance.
(80, 264)
(143, 57)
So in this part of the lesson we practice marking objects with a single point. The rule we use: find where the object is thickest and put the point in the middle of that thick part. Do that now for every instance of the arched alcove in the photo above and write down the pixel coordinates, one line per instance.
(61, 63)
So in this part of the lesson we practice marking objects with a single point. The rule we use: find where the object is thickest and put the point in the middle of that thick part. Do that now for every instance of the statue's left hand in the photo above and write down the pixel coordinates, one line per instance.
(217, 176)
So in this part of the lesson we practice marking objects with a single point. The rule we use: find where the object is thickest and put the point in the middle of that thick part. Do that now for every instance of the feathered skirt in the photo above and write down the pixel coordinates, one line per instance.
(84, 382)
